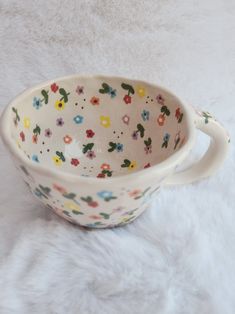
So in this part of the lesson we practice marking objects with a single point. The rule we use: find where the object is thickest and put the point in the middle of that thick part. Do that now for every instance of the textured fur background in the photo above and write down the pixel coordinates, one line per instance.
(179, 257)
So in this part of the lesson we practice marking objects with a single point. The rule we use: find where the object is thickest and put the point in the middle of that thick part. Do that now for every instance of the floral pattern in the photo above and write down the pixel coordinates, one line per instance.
(111, 130)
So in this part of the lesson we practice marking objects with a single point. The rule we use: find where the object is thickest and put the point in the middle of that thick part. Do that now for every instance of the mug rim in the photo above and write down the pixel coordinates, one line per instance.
(167, 164)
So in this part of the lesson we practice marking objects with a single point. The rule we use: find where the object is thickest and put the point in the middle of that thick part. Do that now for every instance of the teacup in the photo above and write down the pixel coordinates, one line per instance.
(97, 149)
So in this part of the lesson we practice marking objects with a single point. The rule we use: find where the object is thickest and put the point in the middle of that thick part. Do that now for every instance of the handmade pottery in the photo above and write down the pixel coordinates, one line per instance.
(97, 149)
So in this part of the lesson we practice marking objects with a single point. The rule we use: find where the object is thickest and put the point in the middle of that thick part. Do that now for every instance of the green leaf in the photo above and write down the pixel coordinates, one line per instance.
(70, 196)
(63, 94)
(87, 147)
(148, 142)
(141, 129)
(105, 89)
(107, 199)
(45, 95)
(76, 212)
(180, 118)
(60, 155)
(87, 199)
(112, 146)
(126, 163)
(37, 130)
(167, 112)
(66, 213)
(45, 189)
(104, 215)
(128, 87)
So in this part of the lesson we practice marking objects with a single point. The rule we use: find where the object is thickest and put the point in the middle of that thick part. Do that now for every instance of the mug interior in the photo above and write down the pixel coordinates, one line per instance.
(98, 126)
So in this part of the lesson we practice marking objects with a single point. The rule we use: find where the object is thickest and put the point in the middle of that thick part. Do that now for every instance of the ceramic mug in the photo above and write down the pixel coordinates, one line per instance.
(96, 149)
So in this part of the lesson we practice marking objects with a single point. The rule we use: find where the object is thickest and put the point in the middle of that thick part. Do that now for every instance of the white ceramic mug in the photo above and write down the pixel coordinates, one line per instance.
(96, 149)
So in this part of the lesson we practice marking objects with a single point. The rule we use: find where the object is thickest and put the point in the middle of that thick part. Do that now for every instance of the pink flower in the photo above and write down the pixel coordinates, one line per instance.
(126, 119)
(80, 90)
(147, 165)
(74, 162)
(59, 188)
(160, 99)
(148, 149)
(91, 154)
(22, 136)
(48, 133)
(105, 167)
(161, 119)
(95, 101)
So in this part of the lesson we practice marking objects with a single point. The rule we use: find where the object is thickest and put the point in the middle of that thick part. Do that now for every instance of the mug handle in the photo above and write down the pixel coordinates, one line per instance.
(214, 156)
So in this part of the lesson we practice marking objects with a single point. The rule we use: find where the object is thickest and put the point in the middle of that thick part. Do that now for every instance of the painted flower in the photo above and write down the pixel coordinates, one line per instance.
(112, 92)
(160, 99)
(161, 119)
(72, 206)
(78, 119)
(48, 133)
(95, 101)
(37, 103)
(127, 99)
(22, 136)
(57, 160)
(59, 122)
(67, 139)
(135, 193)
(177, 113)
(148, 149)
(101, 175)
(105, 167)
(95, 217)
(74, 162)
(147, 165)
(105, 194)
(59, 188)
(35, 138)
(80, 90)
(166, 137)
(145, 115)
(35, 158)
(126, 119)
(141, 91)
(119, 147)
(90, 133)
(105, 121)
(134, 135)
(26, 123)
(91, 154)
(132, 165)
(59, 104)
(54, 87)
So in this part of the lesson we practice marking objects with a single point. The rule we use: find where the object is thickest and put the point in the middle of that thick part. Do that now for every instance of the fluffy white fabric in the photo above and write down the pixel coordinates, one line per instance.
(179, 256)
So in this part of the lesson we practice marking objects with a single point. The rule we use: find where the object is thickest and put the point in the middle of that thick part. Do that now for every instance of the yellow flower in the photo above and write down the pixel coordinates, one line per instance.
(141, 91)
(132, 165)
(72, 206)
(26, 123)
(59, 104)
(105, 121)
(57, 160)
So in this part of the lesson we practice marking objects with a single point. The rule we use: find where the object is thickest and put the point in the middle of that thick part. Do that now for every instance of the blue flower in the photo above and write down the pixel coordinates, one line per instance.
(119, 147)
(105, 194)
(112, 92)
(37, 103)
(166, 137)
(35, 158)
(78, 119)
(145, 115)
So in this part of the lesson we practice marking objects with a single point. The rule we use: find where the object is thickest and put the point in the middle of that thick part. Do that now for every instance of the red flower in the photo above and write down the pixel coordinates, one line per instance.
(161, 119)
(127, 99)
(54, 87)
(94, 217)
(101, 175)
(35, 138)
(160, 99)
(75, 162)
(177, 113)
(147, 165)
(93, 204)
(90, 133)
(22, 136)
(95, 100)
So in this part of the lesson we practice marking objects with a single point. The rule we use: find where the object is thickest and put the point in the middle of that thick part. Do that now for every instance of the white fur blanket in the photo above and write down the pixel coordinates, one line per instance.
(178, 257)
